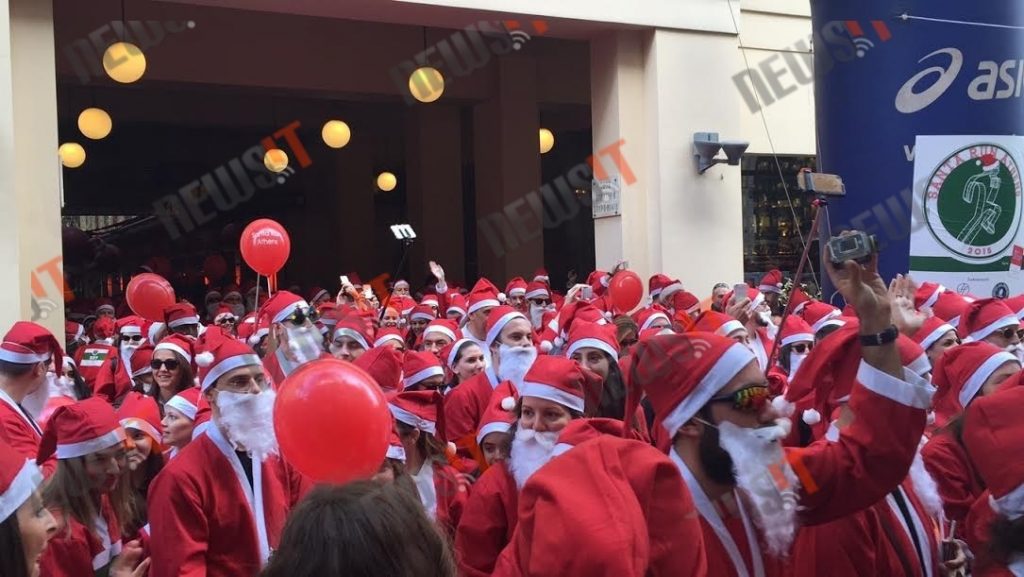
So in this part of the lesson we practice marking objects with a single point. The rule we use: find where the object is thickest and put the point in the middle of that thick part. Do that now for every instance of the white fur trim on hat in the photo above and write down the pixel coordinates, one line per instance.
(827, 320)
(796, 338)
(769, 288)
(481, 304)
(182, 406)
(670, 290)
(591, 343)
(990, 328)
(83, 448)
(175, 348)
(729, 327)
(439, 329)
(131, 330)
(654, 317)
(939, 289)
(492, 427)
(492, 335)
(403, 416)
(142, 425)
(28, 479)
(422, 376)
(354, 335)
(385, 338)
(288, 310)
(396, 452)
(921, 365)
(537, 293)
(553, 394)
(735, 358)
(183, 321)
(227, 365)
(1011, 505)
(982, 373)
(928, 341)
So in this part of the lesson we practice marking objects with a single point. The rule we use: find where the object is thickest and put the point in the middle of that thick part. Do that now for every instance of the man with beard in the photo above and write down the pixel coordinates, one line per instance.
(712, 399)
(552, 396)
(990, 320)
(509, 341)
(539, 298)
(113, 380)
(293, 339)
(218, 508)
(27, 352)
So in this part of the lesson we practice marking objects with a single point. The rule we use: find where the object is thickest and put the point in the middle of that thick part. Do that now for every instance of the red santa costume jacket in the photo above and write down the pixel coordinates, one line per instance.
(875, 541)
(112, 379)
(487, 522)
(90, 358)
(18, 430)
(205, 519)
(872, 456)
(82, 551)
(464, 406)
(948, 463)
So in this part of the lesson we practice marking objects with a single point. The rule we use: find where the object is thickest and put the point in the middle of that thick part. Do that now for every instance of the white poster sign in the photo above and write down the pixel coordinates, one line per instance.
(606, 197)
(966, 228)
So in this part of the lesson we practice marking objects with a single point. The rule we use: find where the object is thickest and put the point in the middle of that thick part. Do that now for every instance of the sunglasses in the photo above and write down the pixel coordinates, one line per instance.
(300, 316)
(541, 302)
(801, 348)
(132, 338)
(171, 364)
(749, 399)
(226, 321)
(1008, 333)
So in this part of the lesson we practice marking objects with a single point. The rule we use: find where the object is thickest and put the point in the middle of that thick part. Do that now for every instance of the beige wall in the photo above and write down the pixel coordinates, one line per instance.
(30, 242)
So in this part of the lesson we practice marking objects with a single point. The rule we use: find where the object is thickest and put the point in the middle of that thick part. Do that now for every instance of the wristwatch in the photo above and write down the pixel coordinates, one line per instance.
(878, 339)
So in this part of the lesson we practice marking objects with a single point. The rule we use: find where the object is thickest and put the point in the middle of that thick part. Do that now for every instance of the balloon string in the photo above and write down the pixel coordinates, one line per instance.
(906, 16)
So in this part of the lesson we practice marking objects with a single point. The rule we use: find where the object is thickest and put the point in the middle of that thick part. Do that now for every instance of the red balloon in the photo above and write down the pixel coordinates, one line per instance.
(265, 246)
(215, 267)
(625, 289)
(148, 294)
(332, 421)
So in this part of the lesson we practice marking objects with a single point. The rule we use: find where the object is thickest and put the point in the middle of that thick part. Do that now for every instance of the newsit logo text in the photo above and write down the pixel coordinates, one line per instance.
(994, 80)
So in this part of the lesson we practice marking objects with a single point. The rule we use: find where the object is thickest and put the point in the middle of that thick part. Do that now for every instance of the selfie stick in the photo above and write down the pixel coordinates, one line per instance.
(822, 206)
(406, 244)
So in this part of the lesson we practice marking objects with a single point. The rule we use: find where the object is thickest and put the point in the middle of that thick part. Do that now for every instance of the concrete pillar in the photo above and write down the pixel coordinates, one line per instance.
(433, 169)
(510, 239)
(30, 237)
(651, 93)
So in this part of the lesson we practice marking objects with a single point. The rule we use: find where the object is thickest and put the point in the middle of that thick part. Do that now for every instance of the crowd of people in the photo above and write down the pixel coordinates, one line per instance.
(534, 434)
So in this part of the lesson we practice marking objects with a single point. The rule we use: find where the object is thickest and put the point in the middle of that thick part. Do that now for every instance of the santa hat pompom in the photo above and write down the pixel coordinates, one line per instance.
(204, 359)
(508, 403)
(451, 448)
(559, 341)
(502, 298)
(930, 418)
(608, 316)
(783, 407)
(811, 417)
(545, 347)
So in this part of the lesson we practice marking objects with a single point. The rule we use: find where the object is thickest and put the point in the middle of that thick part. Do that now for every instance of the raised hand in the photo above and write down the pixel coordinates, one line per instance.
(437, 271)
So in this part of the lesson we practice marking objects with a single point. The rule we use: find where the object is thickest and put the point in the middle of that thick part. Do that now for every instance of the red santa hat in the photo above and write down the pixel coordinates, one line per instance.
(180, 344)
(223, 312)
(656, 283)
(681, 373)
(556, 379)
(103, 328)
(932, 329)
(130, 325)
(140, 360)
(318, 292)
(497, 319)
(798, 299)
(28, 343)
(516, 287)
(73, 331)
(140, 412)
(420, 366)
(1016, 305)
(386, 334)
(993, 431)
(80, 429)
(537, 290)
(983, 317)
(354, 328)
(949, 306)
(499, 414)
(771, 282)
(684, 302)
(430, 300)
(450, 352)
(541, 275)
(718, 323)
(484, 294)
(959, 374)
(396, 450)
(820, 315)
(443, 327)
(19, 479)
(180, 314)
(927, 294)
(912, 356)
(384, 364)
(645, 317)
(330, 315)
(457, 303)
(593, 335)
(218, 353)
(423, 410)
(422, 313)
(281, 306)
(402, 304)
(598, 281)
(103, 304)
(795, 330)
(186, 402)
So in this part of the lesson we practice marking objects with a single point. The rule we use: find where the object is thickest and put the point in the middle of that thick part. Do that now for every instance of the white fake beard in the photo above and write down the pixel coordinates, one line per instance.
(758, 460)
(34, 403)
(795, 359)
(127, 350)
(1016, 350)
(764, 318)
(530, 451)
(925, 487)
(537, 315)
(514, 362)
(248, 421)
(304, 344)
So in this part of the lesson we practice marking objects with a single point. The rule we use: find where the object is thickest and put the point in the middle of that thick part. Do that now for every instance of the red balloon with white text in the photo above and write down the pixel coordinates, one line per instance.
(265, 246)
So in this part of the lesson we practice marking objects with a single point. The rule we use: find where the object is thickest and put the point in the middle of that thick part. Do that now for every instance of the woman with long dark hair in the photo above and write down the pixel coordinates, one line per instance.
(172, 368)
(465, 359)
(140, 418)
(25, 524)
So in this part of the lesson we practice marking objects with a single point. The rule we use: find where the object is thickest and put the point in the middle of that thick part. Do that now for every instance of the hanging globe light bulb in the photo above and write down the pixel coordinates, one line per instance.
(95, 123)
(336, 133)
(124, 62)
(275, 159)
(426, 84)
(72, 155)
(387, 181)
(547, 140)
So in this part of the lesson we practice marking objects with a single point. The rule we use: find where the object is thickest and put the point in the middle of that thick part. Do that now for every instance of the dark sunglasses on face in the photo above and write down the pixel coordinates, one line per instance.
(801, 348)
(300, 315)
(226, 321)
(749, 399)
(1008, 333)
(541, 302)
(171, 364)
(132, 338)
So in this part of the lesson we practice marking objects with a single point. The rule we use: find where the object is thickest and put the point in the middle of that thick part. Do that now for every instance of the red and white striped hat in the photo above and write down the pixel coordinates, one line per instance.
(537, 290)
(1016, 305)
(984, 317)
(140, 412)
(421, 409)
(180, 344)
(130, 325)
(443, 327)
(932, 329)
(498, 318)
(541, 275)
(912, 356)
(396, 450)
(516, 287)
(949, 306)
(718, 323)
(644, 318)
(499, 414)
(186, 402)
(281, 306)
(419, 366)
(683, 302)
(220, 353)
(593, 335)
(430, 300)
(354, 328)
(771, 282)
(457, 303)
(80, 429)
(556, 379)
(140, 360)
(960, 373)
(484, 294)
(388, 334)
(180, 314)
(422, 313)
(795, 330)
(927, 294)
(798, 299)
(820, 315)
(27, 343)
(19, 478)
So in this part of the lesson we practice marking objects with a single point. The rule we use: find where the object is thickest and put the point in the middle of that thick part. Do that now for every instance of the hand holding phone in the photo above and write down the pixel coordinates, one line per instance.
(739, 291)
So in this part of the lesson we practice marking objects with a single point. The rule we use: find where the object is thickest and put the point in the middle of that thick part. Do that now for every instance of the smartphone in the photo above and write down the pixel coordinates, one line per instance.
(344, 280)
(739, 292)
(587, 292)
